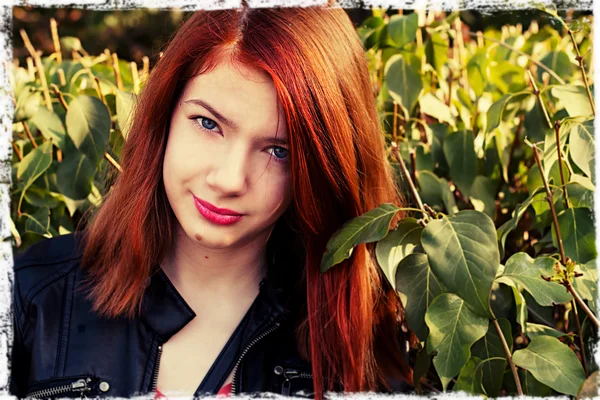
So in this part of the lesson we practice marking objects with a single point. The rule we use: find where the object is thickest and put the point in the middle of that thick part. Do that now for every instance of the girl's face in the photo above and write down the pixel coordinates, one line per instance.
(226, 150)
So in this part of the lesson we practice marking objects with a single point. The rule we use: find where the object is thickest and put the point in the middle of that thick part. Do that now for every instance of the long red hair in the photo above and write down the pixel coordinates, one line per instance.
(349, 326)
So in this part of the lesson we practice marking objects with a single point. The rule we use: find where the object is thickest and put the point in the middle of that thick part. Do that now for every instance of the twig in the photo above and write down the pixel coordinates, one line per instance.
(56, 40)
(580, 334)
(561, 248)
(533, 60)
(515, 142)
(113, 162)
(539, 97)
(40, 68)
(411, 184)
(513, 368)
(61, 99)
(413, 164)
(17, 152)
(582, 304)
(394, 122)
(560, 164)
(579, 59)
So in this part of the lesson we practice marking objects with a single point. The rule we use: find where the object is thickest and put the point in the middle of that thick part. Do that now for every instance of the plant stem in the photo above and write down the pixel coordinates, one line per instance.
(513, 367)
(533, 60)
(113, 162)
(17, 152)
(561, 248)
(394, 122)
(580, 334)
(560, 164)
(539, 97)
(55, 40)
(582, 304)
(409, 180)
(583, 74)
(40, 68)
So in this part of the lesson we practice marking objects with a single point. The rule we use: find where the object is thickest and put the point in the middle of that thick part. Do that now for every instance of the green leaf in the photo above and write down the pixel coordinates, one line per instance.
(39, 222)
(398, 244)
(369, 227)
(429, 188)
(50, 126)
(463, 254)
(526, 272)
(550, 148)
(483, 196)
(417, 282)
(477, 72)
(530, 385)
(424, 157)
(88, 124)
(469, 379)
(33, 166)
(403, 81)
(74, 175)
(448, 197)
(579, 195)
(39, 197)
(434, 107)
(70, 43)
(402, 29)
(578, 234)
(459, 150)
(125, 105)
(587, 285)
(535, 330)
(490, 346)
(436, 50)
(496, 111)
(557, 61)
(453, 328)
(520, 307)
(422, 364)
(581, 139)
(575, 99)
(552, 363)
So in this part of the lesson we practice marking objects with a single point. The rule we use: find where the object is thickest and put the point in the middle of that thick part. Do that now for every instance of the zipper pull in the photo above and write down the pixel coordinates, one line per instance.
(80, 385)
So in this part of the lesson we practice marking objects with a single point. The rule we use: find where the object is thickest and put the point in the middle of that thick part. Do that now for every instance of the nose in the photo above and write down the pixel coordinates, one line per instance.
(229, 176)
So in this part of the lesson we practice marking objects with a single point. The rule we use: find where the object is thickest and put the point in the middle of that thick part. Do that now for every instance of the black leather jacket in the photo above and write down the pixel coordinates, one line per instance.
(63, 349)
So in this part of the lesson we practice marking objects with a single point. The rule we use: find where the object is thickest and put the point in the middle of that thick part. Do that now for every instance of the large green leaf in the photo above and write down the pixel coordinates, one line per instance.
(402, 29)
(448, 197)
(581, 139)
(587, 285)
(578, 234)
(495, 113)
(398, 244)
(552, 363)
(535, 330)
(530, 385)
(463, 254)
(579, 195)
(417, 282)
(74, 175)
(574, 98)
(369, 227)
(33, 166)
(469, 379)
(490, 346)
(430, 189)
(88, 124)
(459, 150)
(453, 328)
(51, 126)
(526, 272)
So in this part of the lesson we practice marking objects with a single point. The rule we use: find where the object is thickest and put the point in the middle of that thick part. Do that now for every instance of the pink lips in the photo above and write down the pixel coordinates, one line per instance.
(221, 216)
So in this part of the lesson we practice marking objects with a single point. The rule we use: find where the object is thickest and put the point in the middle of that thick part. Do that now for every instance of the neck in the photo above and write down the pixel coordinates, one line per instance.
(200, 273)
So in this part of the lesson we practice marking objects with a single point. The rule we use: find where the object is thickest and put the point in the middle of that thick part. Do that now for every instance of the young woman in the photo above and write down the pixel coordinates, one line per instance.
(254, 139)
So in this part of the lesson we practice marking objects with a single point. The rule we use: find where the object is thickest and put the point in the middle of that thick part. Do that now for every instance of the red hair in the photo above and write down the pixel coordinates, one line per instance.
(350, 314)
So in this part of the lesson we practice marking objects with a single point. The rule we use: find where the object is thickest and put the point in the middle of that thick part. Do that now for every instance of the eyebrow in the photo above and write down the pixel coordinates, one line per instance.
(232, 125)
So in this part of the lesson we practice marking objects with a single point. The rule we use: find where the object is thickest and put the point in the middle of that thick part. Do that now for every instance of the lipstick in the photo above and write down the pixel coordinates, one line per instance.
(220, 216)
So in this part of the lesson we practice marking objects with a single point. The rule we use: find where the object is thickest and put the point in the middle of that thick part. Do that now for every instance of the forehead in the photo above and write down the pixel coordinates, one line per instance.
(245, 96)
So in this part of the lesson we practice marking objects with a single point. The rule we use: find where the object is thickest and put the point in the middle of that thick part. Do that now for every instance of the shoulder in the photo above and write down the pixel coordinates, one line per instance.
(43, 264)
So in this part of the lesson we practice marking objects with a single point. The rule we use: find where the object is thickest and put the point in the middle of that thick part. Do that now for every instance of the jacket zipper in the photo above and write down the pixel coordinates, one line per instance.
(290, 374)
(155, 373)
(248, 347)
(81, 385)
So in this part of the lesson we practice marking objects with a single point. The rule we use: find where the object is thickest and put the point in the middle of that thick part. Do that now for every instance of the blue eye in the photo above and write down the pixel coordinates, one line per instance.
(280, 153)
(205, 123)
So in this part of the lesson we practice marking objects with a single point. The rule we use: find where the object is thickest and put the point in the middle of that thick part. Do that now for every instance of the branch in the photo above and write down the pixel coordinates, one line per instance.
(582, 304)
(513, 368)
(409, 180)
(579, 333)
(579, 58)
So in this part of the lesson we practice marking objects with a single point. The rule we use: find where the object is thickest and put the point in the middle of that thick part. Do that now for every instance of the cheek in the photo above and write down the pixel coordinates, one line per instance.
(275, 193)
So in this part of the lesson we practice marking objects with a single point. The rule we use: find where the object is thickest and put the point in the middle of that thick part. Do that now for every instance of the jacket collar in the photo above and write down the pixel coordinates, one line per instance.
(165, 311)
